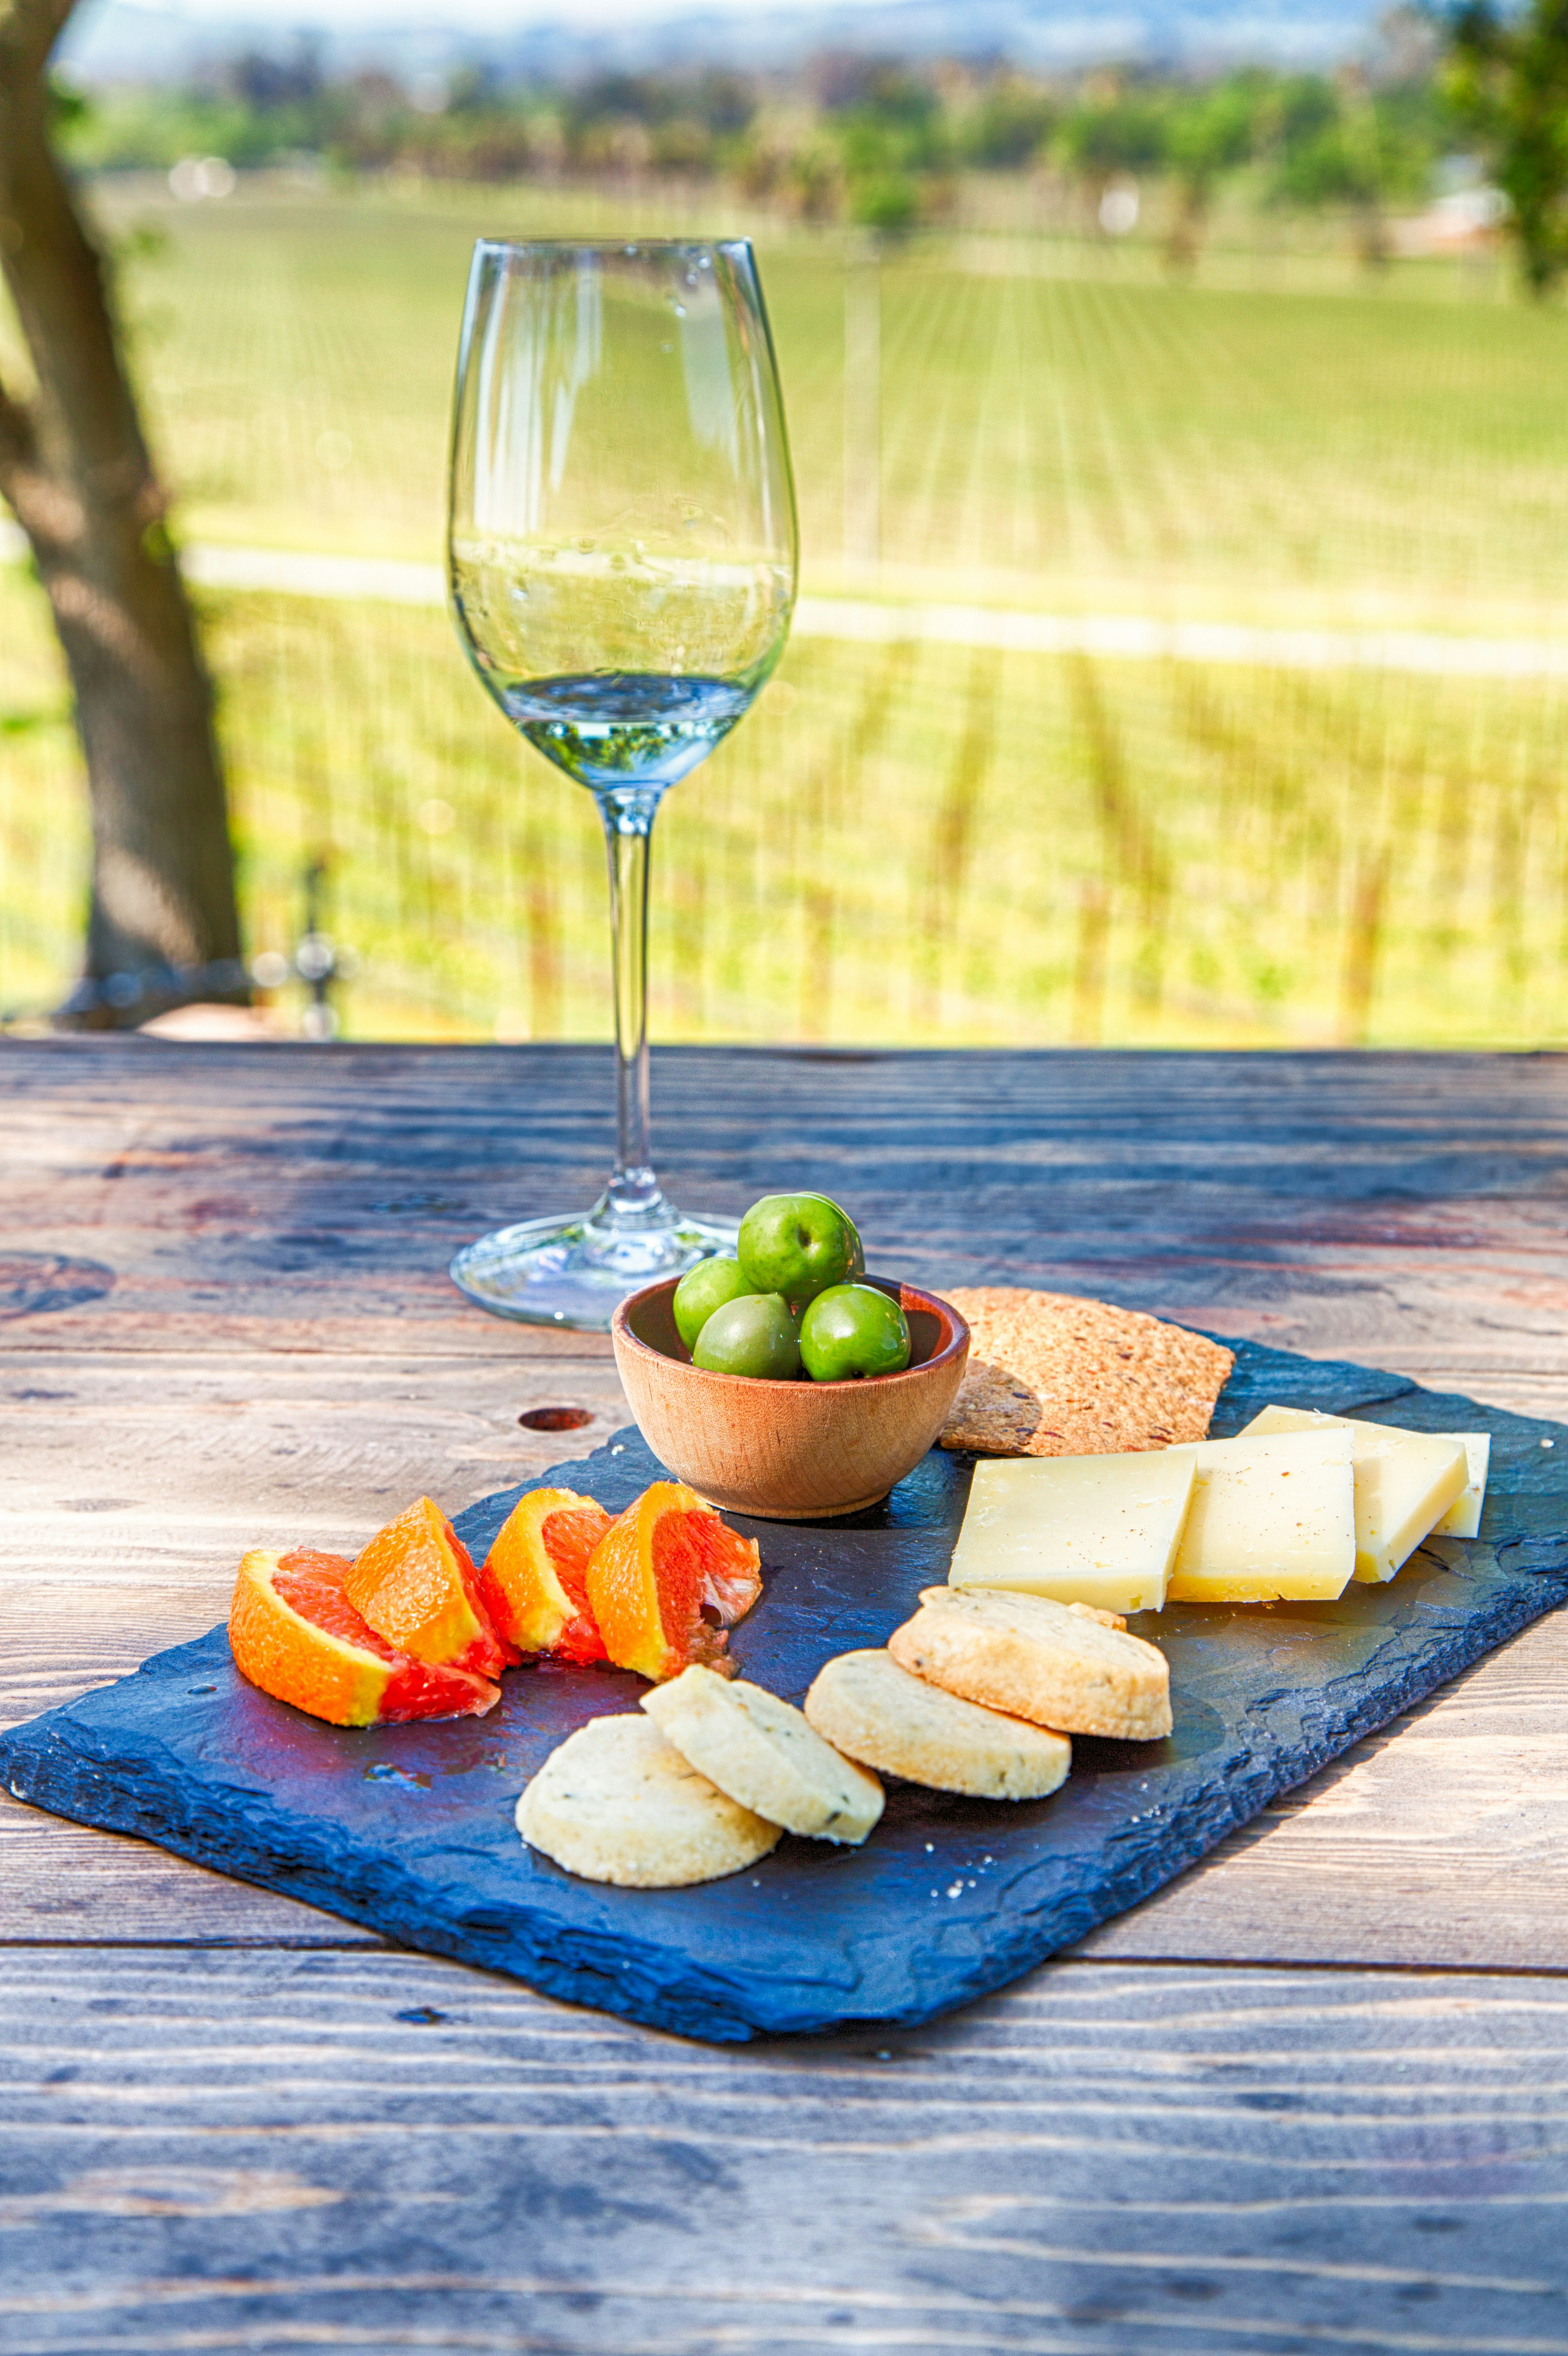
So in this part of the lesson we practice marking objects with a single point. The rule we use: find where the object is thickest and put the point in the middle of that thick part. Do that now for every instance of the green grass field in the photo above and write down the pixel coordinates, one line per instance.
(899, 844)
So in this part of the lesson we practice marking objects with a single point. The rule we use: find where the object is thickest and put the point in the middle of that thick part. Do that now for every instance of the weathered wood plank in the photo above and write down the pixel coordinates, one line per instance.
(1544, 1395)
(242, 2150)
(1387, 1206)
(61, 1884)
(225, 1254)
(108, 1438)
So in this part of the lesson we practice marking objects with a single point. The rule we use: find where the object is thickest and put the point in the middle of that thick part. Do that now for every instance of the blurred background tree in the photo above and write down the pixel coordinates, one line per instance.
(1212, 136)
(1507, 82)
(1112, 132)
(878, 142)
(895, 147)
(163, 924)
(1150, 336)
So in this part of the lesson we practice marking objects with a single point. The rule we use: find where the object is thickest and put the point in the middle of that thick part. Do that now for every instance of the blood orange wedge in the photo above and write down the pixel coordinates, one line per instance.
(533, 1582)
(417, 1586)
(661, 1569)
(295, 1633)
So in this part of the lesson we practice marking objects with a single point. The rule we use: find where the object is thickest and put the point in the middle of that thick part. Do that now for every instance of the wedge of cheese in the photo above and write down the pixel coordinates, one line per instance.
(1079, 1529)
(1463, 1520)
(1271, 1517)
(1405, 1482)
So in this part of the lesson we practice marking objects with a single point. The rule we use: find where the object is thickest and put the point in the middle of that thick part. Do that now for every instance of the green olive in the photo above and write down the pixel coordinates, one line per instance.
(853, 1330)
(703, 1289)
(756, 1335)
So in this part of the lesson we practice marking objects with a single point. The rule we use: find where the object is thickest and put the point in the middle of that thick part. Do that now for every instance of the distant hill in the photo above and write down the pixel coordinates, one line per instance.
(119, 40)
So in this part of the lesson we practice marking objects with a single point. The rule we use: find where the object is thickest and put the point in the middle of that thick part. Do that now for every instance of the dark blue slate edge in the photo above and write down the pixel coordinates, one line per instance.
(68, 1761)
(261, 1847)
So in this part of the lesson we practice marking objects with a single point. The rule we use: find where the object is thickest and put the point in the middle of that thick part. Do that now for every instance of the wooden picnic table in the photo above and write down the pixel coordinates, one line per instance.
(1306, 2098)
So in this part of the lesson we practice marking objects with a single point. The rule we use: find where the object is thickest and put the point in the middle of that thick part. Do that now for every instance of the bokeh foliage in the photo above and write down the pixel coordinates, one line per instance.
(905, 843)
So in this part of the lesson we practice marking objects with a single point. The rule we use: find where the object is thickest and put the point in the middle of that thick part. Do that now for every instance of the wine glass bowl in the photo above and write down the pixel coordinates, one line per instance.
(623, 560)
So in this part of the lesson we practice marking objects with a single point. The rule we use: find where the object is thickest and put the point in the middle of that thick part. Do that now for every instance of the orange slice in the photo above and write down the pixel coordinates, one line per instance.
(295, 1633)
(667, 1579)
(533, 1582)
(416, 1585)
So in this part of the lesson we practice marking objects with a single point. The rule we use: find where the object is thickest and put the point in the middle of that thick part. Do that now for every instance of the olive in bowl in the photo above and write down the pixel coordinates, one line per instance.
(788, 1450)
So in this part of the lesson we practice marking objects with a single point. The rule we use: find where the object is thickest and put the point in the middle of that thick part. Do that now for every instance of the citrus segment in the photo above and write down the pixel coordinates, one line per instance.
(416, 1585)
(535, 1580)
(295, 1633)
(667, 1579)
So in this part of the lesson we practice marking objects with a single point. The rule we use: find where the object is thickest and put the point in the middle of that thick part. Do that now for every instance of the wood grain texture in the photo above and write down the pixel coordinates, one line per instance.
(279, 1356)
(92, 1436)
(1401, 1207)
(62, 1885)
(374, 2151)
(223, 1316)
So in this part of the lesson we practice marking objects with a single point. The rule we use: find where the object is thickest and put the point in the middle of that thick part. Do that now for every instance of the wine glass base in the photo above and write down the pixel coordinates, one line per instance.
(575, 1272)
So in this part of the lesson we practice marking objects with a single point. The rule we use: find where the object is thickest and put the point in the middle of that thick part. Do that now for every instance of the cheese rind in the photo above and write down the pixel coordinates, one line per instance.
(1101, 1530)
(1405, 1482)
(1272, 1518)
(1463, 1520)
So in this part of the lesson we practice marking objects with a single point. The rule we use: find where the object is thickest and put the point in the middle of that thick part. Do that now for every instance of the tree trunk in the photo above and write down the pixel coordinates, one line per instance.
(74, 467)
(1184, 238)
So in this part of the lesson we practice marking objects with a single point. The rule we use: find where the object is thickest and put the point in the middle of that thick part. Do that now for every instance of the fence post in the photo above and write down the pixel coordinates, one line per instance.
(863, 401)
(1363, 942)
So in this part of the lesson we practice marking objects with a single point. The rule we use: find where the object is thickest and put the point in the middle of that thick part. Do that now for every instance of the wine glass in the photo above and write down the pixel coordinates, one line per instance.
(622, 564)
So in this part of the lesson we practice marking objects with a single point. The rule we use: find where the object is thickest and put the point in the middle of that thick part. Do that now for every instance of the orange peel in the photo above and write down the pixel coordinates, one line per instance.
(295, 1633)
(666, 1580)
(415, 1584)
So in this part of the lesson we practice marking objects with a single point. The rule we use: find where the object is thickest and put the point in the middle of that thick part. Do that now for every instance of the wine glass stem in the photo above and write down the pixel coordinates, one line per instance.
(633, 1193)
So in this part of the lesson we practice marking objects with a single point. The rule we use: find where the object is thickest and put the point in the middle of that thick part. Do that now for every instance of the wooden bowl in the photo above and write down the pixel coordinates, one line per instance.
(788, 1451)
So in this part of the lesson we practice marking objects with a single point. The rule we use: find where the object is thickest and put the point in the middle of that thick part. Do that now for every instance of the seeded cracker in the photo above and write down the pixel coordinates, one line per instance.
(1052, 1375)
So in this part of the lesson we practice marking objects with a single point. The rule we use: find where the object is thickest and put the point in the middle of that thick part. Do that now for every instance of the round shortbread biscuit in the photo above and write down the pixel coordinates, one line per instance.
(1037, 1659)
(764, 1753)
(865, 1705)
(615, 1801)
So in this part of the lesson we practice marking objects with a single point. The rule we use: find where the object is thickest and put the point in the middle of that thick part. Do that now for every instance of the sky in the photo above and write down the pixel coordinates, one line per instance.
(471, 16)
(482, 17)
(157, 39)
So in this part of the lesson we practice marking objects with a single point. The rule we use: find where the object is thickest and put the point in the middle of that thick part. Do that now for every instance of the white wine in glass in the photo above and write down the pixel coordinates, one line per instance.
(623, 557)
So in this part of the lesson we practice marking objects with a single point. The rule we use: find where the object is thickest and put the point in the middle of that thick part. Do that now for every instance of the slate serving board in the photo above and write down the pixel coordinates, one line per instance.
(409, 1829)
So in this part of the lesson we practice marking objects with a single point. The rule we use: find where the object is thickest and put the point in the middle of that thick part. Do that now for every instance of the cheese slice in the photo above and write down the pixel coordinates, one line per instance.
(1270, 1517)
(1405, 1482)
(1081, 1529)
(1463, 1520)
